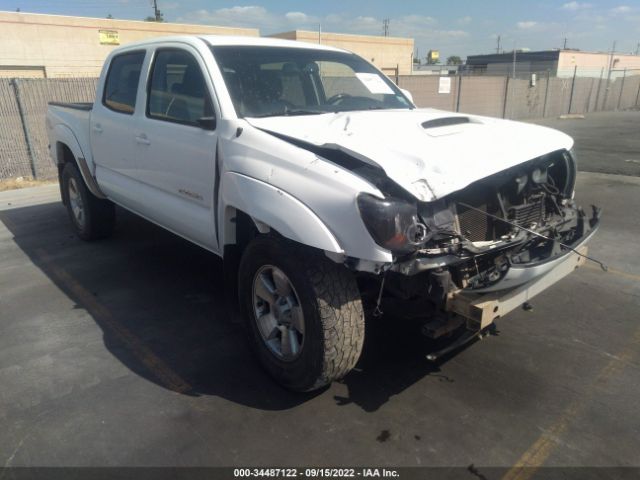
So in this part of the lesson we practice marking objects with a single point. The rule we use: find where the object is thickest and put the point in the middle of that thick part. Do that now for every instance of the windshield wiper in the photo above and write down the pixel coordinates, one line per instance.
(301, 111)
(289, 113)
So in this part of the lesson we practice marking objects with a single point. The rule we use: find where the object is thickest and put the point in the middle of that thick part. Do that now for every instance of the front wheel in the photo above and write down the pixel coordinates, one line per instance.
(303, 313)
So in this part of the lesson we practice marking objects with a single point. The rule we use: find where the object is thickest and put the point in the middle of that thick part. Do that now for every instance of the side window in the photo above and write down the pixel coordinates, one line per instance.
(121, 85)
(177, 91)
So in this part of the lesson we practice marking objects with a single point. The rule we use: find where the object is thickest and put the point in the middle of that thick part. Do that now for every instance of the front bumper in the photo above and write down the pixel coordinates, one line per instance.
(482, 309)
(521, 274)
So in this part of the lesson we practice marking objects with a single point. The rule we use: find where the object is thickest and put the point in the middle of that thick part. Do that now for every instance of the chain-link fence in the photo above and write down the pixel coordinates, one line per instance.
(14, 155)
(531, 96)
(23, 136)
(23, 104)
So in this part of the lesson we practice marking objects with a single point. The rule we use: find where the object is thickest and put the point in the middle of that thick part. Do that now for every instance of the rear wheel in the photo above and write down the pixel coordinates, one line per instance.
(303, 313)
(92, 218)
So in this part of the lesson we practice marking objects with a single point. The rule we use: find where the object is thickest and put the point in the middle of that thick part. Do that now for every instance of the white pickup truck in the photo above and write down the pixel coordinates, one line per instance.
(326, 191)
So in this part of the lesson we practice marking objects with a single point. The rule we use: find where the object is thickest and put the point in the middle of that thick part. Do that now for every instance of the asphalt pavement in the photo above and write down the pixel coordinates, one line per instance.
(121, 353)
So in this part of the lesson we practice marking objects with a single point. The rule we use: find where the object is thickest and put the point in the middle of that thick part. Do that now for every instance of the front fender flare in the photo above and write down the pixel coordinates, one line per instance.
(272, 206)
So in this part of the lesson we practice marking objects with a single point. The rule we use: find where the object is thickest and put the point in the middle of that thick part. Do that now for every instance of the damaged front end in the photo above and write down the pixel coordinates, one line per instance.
(523, 216)
(495, 239)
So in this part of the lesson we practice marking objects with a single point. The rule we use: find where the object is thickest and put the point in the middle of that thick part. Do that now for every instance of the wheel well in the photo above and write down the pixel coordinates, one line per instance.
(244, 230)
(64, 155)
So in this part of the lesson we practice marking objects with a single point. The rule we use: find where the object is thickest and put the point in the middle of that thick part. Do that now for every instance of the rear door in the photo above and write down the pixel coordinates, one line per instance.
(175, 144)
(112, 122)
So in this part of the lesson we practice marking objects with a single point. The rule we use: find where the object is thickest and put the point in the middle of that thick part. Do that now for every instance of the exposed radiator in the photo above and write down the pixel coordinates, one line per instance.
(528, 213)
(477, 226)
(474, 225)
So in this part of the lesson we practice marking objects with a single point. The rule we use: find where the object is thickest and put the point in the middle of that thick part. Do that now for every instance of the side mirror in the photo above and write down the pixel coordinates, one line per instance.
(407, 94)
(207, 123)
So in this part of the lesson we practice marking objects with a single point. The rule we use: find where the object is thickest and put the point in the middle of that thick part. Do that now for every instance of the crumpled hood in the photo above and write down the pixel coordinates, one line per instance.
(420, 149)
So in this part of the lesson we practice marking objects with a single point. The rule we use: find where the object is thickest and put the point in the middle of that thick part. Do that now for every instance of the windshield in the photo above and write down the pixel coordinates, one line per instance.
(272, 81)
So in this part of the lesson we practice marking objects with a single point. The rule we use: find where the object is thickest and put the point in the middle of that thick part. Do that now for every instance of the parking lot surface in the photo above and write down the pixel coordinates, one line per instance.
(121, 352)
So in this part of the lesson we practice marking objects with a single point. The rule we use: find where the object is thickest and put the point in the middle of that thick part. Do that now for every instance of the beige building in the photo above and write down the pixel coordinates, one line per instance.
(593, 64)
(386, 53)
(557, 63)
(34, 45)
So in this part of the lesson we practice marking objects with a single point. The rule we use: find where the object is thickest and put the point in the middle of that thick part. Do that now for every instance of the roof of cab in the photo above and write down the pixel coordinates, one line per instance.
(226, 40)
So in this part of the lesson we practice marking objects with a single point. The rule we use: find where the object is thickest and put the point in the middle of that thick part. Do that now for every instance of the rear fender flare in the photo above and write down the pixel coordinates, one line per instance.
(65, 137)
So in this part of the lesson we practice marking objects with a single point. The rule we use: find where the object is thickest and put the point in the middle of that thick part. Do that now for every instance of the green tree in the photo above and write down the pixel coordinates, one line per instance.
(454, 60)
(153, 19)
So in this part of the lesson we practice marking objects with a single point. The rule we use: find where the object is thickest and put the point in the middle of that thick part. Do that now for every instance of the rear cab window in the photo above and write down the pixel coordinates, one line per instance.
(177, 91)
(121, 84)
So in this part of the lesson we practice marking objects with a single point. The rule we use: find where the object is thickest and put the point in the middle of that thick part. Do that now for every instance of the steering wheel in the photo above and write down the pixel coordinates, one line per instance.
(286, 103)
(336, 98)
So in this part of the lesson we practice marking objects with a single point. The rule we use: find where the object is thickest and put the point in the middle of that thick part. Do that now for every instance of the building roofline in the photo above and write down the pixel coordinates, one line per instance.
(314, 32)
(142, 22)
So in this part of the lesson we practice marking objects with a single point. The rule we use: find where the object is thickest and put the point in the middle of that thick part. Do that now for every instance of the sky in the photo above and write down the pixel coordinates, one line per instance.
(454, 27)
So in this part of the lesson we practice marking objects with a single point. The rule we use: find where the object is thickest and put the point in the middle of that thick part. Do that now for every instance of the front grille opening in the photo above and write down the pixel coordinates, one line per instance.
(476, 225)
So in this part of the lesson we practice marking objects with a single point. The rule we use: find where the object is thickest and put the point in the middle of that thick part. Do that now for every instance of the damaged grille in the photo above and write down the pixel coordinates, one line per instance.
(477, 224)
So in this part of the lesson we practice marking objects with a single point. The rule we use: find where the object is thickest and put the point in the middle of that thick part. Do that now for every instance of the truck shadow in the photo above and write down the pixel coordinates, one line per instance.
(160, 303)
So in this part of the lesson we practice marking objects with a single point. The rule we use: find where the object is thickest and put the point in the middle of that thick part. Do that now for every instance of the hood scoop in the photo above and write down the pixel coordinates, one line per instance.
(445, 122)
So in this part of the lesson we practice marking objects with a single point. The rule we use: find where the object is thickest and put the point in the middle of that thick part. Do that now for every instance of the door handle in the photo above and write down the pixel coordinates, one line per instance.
(142, 139)
(97, 128)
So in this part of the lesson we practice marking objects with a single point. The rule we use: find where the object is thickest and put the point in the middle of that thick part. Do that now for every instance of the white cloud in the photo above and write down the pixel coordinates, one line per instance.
(464, 20)
(297, 17)
(574, 6)
(421, 20)
(253, 16)
(620, 10)
(422, 28)
(526, 25)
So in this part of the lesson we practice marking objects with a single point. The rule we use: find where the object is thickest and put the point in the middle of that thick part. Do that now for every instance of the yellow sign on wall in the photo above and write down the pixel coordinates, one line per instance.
(109, 37)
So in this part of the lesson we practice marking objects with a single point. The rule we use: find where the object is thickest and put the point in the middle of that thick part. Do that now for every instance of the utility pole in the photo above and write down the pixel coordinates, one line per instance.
(319, 33)
(565, 44)
(385, 27)
(514, 60)
(498, 46)
(638, 49)
(156, 11)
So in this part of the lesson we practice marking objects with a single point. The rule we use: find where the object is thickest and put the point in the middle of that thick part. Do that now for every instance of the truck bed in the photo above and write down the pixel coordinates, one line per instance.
(70, 121)
(77, 105)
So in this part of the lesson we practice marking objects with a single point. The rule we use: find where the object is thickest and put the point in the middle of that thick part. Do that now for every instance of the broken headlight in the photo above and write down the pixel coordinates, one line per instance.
(393, 223)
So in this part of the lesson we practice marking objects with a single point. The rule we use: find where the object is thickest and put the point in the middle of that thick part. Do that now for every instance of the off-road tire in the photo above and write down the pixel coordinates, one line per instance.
(99, 215)
(330, 301)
